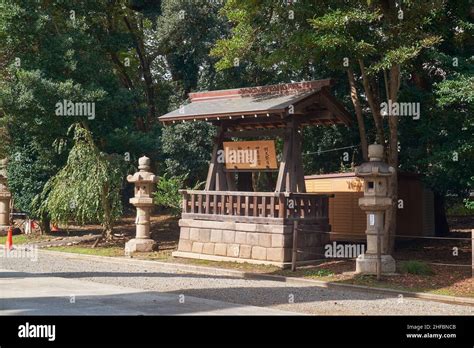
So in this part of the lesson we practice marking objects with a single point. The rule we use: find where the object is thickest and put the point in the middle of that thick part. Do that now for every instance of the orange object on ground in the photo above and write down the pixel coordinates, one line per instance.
(9, 243)
(54, 228)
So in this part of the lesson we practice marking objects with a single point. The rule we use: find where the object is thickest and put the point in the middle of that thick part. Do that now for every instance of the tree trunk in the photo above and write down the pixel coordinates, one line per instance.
(107, 232)
(391, 216)
(45, 224)
(372, 104)
(441, 222)
(107, 225)
(145, 65)
(360, 117)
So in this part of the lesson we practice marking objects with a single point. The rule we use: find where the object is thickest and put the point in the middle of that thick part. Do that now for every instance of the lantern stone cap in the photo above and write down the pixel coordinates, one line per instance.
(144, 163)
(142, 201)
(374, 203)
(375, 152)
(375, 167)
(143, 175)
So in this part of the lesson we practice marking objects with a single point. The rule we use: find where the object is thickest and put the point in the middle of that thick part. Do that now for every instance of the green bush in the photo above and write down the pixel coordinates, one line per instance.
(167, 192)
(415, 267)
(460, 209)
(319, 273)
(469, 204)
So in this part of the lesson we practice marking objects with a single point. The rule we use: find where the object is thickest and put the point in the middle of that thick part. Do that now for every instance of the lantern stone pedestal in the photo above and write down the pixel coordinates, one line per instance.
(375, 203)
(144, 181)
(5, 197)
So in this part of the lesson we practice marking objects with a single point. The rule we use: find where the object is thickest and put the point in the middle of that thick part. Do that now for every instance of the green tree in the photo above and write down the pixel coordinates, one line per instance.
(373, 42)
(87, 189)
(65, 58)
(188, 149)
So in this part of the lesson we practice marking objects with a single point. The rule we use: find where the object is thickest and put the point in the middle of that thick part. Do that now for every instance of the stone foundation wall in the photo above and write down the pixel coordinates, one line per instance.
(252, 241)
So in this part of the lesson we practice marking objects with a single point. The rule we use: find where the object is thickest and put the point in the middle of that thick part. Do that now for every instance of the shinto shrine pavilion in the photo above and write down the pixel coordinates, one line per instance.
(228, 220)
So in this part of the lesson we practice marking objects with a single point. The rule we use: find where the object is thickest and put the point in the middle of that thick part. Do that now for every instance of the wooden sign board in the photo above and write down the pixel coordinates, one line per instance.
(249, 155)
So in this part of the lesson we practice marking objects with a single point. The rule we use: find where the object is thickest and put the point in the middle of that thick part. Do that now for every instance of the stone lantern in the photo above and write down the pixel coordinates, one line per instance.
(5, 197)
(375, 203)
(144, 182)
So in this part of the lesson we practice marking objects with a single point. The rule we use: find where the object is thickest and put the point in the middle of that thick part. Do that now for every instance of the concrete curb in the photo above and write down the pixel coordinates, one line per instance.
(178, 267)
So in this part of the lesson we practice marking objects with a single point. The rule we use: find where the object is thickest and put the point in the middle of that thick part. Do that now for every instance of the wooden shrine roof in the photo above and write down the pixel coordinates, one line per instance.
(264, 107)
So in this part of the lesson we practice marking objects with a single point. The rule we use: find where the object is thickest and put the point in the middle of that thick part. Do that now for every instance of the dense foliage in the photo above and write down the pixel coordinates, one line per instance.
(167, 193)
(136, 60)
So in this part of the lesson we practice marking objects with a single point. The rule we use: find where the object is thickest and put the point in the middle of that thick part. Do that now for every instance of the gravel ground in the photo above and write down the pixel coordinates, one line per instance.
(303, 298)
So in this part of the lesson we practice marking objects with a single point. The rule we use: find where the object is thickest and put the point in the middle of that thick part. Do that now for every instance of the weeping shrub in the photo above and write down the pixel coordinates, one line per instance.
(87, 189)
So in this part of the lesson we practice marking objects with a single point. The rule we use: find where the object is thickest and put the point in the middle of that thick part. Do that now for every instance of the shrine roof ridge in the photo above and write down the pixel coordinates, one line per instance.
(278, 89)
(273, 105)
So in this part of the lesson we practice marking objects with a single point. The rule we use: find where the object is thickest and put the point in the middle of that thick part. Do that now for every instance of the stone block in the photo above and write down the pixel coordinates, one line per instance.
(184, 233)
(367, 264)
(259, 253)
(233, 250)
(252, 238)
(240, 237)
(228, 236)
(204, 235)
(197, 247)
(245, 251)
(278, 240)
(185, 245)
(220, 249)
(265, 240)
(139, 245)
(279, 254)
(208, 248)
(268, 228)
(228, 225)
(216, 236)
(194, 233)
(245, 227)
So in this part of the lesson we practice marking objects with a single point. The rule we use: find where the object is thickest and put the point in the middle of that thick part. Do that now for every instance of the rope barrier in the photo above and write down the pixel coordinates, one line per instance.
(397, 236)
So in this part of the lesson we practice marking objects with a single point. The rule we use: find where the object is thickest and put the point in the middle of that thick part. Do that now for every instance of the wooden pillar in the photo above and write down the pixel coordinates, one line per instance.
(216, 177)
(283, 183)
(298, 158)
(290, 174)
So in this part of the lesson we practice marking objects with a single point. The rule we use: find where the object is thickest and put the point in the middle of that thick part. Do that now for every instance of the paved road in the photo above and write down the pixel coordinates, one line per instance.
(27, 294)
(134, 282)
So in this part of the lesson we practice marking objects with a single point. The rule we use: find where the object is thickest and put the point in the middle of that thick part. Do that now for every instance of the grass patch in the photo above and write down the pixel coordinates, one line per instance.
(309, 273)
(103, 251)
(415, 267)
(312, 273)
(21, 239)
(244, 266)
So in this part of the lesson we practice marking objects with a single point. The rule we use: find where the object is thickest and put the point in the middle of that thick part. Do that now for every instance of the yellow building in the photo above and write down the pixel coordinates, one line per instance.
(415, 216)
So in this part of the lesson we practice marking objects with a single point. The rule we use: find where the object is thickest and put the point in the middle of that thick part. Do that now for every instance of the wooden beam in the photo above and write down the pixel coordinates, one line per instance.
(254, 133)
(335, 106)
(232, 170)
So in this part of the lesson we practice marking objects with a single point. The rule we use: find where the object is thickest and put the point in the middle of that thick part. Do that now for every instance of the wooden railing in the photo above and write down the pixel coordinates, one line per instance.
(254, 205)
